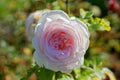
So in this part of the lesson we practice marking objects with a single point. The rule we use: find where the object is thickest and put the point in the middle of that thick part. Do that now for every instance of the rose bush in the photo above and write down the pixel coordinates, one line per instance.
(60, 41)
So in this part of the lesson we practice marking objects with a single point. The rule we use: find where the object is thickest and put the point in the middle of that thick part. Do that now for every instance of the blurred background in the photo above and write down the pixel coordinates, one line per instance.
(16, 52)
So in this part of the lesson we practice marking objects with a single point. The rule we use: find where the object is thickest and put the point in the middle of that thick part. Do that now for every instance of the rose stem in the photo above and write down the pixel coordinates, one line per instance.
(67, 7)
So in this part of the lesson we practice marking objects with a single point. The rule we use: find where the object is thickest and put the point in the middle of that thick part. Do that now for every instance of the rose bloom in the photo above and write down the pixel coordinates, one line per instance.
(60, 41)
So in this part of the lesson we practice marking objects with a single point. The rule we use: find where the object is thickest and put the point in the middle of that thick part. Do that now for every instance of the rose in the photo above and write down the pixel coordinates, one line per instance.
(32, 21)
(113, 4)
(60, 41)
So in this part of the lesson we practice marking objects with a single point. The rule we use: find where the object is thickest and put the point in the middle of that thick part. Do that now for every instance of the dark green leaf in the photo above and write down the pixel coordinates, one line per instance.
(45, 74)
(50, 1)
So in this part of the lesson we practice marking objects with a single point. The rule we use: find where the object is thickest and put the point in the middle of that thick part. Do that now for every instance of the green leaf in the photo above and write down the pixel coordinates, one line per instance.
(99, 24)
(93, 62)
(85, 14)
(95, 27)
(83, 73)
(30, 71)
(94, 23)
(105, 24)
(77, 73)
(82, 13)
(41, 73)
(97, 20)
(63, 76)
(45, 74)
(89, 14)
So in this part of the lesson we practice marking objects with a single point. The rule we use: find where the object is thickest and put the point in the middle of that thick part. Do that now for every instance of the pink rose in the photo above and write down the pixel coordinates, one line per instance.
(60, 41)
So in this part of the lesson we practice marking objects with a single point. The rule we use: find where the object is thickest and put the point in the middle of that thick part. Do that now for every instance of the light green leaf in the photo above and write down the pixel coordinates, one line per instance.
(99, 24)
(82, 13)
(89, 14)
(94, 23)
(105, 24)
(63, 76)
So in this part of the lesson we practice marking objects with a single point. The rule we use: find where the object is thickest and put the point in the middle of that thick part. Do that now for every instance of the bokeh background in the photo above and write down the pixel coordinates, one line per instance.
(16, 52)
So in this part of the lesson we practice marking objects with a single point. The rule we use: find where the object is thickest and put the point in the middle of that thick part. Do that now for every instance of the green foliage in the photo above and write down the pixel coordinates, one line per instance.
(33, 69)
(45, 74)
(93, 61)
(90, 70)
(94, 23)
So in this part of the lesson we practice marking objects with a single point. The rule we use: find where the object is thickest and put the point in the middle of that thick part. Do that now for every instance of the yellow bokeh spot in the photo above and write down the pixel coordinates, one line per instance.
(27, 51)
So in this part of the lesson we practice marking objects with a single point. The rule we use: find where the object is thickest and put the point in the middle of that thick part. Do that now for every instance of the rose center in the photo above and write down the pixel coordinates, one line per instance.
(61, 40)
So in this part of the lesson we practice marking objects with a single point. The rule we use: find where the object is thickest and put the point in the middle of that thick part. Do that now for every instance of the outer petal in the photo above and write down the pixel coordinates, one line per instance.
(83, 34)
(39, 58)
(65, 69)
(32, 21)
(29, 28)
(41, 61)
(50, 16)
(53, 15)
